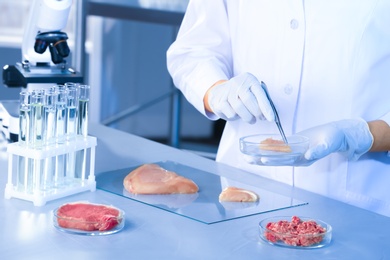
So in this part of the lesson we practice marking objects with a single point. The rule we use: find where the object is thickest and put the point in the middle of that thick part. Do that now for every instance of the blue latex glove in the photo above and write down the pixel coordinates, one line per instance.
(351, 137)
(241, 97)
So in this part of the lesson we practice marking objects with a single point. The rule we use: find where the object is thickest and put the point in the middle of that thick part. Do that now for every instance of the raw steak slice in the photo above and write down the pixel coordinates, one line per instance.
(234, 194)
(275, 145)
(88, 217)
(153, 179)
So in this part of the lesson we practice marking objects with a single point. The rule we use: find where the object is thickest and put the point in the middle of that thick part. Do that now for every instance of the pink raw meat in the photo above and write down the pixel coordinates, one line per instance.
(295, 233)
(88, 217)
(153, 179)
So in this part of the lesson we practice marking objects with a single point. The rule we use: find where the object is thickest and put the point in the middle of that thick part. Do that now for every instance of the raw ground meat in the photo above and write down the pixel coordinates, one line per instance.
(275, 145)
(88, 217)
(153, 179)
(295, 233)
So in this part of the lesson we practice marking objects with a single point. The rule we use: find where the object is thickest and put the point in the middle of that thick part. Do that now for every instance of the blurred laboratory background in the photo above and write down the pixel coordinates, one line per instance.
(125, 64)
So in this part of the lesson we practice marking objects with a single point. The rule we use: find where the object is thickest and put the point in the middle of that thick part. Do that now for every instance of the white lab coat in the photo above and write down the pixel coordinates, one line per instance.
(321, 60)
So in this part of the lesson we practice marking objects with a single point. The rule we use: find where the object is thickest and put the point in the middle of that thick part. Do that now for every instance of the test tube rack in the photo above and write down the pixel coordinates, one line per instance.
(40, 194)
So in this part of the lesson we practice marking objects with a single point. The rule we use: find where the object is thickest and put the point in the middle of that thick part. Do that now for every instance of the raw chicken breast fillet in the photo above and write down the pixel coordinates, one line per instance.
(153, 179)
(234, 194)
(275, 145)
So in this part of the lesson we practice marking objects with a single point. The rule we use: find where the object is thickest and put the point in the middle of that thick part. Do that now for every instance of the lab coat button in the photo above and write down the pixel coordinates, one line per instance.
(288, 89)
(294, 24)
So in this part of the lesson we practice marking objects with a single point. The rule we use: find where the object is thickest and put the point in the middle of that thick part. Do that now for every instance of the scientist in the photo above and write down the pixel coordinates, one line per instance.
(326, 65)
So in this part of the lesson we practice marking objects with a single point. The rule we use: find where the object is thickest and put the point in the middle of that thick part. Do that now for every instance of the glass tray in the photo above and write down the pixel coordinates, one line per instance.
(203, 206)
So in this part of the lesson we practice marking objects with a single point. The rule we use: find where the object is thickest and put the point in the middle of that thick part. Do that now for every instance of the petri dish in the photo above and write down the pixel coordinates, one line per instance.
(91, 223)
(286, 231)
(270, 150)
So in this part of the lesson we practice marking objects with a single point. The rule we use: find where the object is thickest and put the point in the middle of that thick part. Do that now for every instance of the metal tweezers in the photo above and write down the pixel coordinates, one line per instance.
(277, 120)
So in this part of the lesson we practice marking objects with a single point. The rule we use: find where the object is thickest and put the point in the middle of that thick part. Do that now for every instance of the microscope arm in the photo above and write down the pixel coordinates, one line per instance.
(44, 48)
(46, 20)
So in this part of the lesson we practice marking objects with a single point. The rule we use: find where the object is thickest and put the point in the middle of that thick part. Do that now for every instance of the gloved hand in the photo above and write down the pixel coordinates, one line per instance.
(241, 97)
(351, 136)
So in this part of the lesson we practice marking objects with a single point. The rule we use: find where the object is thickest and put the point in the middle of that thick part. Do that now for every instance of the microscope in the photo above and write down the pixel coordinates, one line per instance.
(44, 53)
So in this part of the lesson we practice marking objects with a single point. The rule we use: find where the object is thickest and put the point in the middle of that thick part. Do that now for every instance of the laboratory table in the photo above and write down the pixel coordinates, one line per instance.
(152, 233)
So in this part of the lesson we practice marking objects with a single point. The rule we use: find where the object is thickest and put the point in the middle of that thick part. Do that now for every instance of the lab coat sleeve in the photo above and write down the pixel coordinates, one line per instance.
(201, 54)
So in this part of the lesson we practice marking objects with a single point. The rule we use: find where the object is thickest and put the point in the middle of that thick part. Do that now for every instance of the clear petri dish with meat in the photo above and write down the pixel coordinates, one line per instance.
(271, 150)
(295, 232)
(84, 218)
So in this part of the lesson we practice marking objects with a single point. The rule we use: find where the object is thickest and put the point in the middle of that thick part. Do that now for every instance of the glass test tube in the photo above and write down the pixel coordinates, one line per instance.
(71, 126)
(72, 115)
(49, 137)
(60, 132)
(36, 131)
(37, 123)
(61, 113)
(50, 116)
(82, 128)
(24, 139)
(83, 110)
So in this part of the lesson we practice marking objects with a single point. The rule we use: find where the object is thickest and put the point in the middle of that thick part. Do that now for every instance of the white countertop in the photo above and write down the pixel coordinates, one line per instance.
(152, 233)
